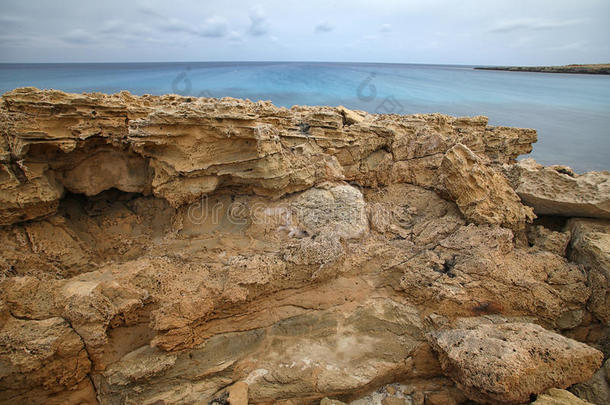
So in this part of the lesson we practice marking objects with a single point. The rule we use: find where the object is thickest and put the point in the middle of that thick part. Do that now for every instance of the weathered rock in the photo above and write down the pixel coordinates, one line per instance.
(181, 148)
(557, 190)
(597, 389)
(39, 358)
(238, 393)
(590, 246)
(506, 363)
(483, 195)
(556, 396)
(546, 239)
(304, 252)
(328, 401)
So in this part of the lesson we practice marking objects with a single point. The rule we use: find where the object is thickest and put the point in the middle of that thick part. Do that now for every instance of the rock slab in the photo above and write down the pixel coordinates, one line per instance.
(507, 363)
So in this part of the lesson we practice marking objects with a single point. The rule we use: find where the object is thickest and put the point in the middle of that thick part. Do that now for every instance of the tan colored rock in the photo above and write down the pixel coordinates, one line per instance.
(597, 389)
(557, 190)
(506, 363)
(25, 199)
(590, 246)
(40, 358)
(556, 396)
(328, 401)
(483, 195)
(182, 148)
(304, 252)
(238, 393)
(546, 239)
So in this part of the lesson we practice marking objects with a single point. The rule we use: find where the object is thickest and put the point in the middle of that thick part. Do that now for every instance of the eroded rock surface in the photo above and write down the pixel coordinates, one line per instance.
(557, 190)
(508, 362)
(164, 250)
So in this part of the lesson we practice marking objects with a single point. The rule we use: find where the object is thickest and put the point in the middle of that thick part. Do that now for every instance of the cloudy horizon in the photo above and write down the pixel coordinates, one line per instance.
(441, 31)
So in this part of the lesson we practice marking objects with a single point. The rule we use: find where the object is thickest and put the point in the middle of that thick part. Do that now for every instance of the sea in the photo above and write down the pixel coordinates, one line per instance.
(571, 112)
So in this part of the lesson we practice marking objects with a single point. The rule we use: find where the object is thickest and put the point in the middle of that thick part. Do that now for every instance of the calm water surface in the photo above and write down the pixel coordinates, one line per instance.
(570, 112)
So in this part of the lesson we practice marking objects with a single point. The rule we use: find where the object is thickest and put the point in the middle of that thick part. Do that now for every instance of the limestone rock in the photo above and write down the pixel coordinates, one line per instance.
(25, 199)
(180, 148)
(506, 363)
(556, 396)
(483, 195)
(328, 401)
(238, 393)
(545, 239)
(40, 358)
(167, 249)
(597, 389)
(590, 246)
(556, 190)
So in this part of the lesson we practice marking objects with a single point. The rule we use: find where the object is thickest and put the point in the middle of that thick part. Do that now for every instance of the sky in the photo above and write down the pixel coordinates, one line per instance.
(490, 32)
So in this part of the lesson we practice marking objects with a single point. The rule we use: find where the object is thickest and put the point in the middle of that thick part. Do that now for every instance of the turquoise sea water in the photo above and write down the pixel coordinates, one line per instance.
(570, 112)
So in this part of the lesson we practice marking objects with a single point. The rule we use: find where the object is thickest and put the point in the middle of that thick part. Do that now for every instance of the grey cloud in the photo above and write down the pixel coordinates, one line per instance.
(324, 26)
(258, 22)
(530, 25)
(149, 12)
(176, 25)
(78, 36)
(8, 19)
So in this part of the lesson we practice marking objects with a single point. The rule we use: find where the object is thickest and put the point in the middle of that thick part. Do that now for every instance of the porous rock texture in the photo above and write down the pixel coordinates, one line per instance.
(506, 363)
(557, 190)
(176, 250)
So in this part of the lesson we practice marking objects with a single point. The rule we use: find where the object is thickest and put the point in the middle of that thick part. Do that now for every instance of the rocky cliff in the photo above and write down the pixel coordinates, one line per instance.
(170, 250)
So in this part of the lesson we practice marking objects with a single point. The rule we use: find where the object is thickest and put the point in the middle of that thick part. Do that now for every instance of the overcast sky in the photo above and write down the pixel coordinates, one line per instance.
(434, 31)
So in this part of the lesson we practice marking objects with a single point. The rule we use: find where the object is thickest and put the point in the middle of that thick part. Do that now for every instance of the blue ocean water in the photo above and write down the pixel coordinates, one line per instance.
(570, 112)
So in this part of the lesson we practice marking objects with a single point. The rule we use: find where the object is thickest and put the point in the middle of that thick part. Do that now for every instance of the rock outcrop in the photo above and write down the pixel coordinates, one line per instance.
(164, 250)
(482, 194)
(557, 190)
(590, 246)
(507, 363)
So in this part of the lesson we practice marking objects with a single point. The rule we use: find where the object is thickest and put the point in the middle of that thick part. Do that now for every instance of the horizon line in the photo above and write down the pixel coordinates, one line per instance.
(290, 61)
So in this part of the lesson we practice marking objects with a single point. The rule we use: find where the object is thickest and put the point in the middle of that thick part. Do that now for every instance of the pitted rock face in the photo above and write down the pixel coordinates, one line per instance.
(336, 210)
(557, 190)
(508, 362)
(161, 250)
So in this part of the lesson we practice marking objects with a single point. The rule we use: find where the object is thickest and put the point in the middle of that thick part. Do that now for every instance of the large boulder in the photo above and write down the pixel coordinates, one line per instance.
(507, 363)
(483, 195)
(557, 190)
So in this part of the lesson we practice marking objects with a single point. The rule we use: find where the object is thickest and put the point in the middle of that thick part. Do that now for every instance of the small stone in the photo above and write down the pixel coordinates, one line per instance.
(238, 393)
(394, 401)
(328, 401)
(556, 396)
(439, 398)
